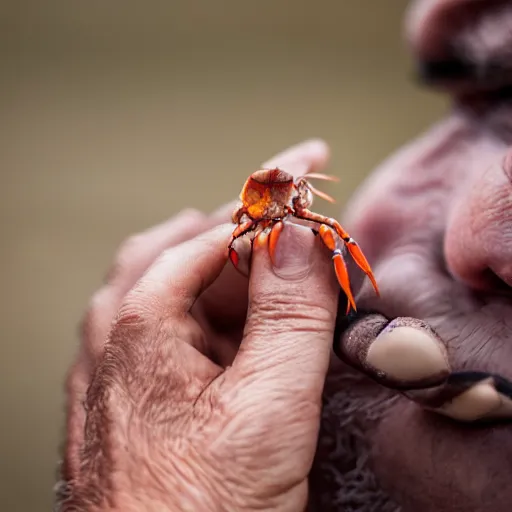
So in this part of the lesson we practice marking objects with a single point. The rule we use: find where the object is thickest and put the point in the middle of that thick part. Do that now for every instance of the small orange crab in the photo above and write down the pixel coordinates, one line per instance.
(269, 196)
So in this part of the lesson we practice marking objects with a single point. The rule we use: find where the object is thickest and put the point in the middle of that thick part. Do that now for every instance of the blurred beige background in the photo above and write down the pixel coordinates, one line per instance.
(116, 115)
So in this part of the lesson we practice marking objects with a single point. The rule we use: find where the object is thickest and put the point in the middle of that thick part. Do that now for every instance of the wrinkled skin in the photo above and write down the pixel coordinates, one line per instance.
(435, 222)
(163, 416)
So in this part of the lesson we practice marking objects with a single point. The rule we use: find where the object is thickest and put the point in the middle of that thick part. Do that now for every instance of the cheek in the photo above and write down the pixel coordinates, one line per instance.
(377, 227)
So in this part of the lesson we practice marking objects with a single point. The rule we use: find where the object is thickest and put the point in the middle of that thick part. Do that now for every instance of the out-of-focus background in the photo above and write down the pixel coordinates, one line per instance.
(116, 115)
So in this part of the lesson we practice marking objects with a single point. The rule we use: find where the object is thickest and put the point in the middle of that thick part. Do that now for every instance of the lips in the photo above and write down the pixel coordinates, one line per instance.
(464, 45)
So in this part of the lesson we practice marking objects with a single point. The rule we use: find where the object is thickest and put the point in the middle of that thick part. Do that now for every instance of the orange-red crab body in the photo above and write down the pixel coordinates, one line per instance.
(270, 195)
(266, 194)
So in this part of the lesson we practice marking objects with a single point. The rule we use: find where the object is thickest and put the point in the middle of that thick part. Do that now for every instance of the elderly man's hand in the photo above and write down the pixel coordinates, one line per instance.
(187, 397)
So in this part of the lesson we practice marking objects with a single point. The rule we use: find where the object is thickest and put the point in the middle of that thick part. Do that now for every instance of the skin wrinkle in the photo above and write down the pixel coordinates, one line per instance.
(274, 314)
(246, 427)
(477, 246)
(170, 474)
(492, 337)
(498, 230)
(153, 403)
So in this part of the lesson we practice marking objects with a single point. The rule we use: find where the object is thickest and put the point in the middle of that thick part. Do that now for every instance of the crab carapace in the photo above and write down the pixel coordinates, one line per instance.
(269, 196)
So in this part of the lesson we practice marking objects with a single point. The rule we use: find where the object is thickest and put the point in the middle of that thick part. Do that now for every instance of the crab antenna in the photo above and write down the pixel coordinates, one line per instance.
(320, 176)
(321, 194)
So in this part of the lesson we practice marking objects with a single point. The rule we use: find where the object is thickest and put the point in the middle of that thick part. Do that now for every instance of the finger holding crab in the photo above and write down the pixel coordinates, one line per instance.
(272, 197)
(402, 353)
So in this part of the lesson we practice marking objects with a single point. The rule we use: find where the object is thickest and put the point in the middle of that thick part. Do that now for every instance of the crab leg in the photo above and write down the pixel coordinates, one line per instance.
(239, 231)
(351, 244)
(340, 268)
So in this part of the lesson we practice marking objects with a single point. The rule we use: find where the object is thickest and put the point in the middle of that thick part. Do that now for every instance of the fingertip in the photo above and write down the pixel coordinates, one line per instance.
(404, 353)
(468, 396)
(183, 272)
(221, 231)
(216, 235)
(297, 256)
(307, 156)
(317, 147)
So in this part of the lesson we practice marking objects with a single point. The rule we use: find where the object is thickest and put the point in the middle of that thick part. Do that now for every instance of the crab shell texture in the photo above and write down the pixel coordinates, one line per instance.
(267, 194)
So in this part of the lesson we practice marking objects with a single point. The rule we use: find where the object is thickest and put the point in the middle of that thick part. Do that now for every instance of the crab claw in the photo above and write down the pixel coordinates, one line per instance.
(328, 239)
(359, 258)
(342, 275)
(340, 267)
(233, 256)
(275, 232)
(238, 232)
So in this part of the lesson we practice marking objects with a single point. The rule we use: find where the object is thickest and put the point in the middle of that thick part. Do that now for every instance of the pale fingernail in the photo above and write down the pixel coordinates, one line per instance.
(475, 403)
(504, 389)
(490, 398)
(294, 252)
(409, 353)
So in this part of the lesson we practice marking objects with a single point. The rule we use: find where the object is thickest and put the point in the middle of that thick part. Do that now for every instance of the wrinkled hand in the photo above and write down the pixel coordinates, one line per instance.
(435, 221)
(193, 391)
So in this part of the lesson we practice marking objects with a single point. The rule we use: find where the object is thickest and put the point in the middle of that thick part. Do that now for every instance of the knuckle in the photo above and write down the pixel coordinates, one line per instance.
(287, 311)
(137, 310)
(130, 315)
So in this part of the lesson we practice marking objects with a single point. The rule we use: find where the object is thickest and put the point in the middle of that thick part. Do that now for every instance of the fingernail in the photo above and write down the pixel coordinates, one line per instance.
(468, 396)
(408, 353)
(294, 252)
(476, 403)
(477, 396)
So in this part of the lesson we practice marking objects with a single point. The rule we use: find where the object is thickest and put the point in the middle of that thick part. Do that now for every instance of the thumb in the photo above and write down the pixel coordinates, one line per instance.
(291, 316)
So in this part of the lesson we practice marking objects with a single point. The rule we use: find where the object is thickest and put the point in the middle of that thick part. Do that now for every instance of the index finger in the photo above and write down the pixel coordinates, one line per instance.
(153, 323)
(173, 283)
